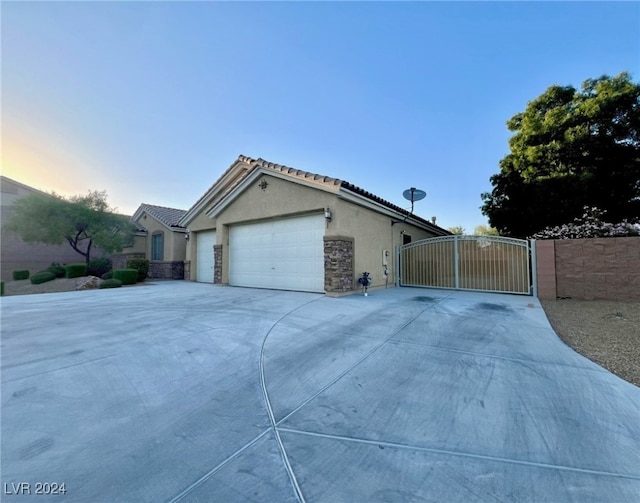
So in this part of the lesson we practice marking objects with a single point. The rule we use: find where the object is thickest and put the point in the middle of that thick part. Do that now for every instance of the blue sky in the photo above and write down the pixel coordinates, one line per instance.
(152, 101)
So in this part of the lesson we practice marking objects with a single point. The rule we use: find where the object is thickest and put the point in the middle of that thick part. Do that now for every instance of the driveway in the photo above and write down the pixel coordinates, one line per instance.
(178, 391)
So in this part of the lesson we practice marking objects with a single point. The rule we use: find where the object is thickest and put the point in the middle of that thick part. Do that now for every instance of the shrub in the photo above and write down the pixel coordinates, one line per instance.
(76, 270)
(127, 276)
(141, 264)
(99, 266)
(107, 275)
(42, 277)
(1, 288)
(57, 269)
(111, 283)
(20, 274)
(590, 225)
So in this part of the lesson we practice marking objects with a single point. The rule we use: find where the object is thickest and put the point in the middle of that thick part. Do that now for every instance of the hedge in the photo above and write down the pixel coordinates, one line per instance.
(76, 270)
(99, 266)
(1, 288)
(107, 275)
(57, 269)
(20, 274)
(141, 264)
(42, 277)
(111, 283)
(127, 276)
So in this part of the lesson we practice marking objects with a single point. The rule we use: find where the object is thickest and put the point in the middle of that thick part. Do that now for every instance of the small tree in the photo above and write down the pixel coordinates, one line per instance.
(485, 230)
(458, 230)
(81, 221)
(570, 148)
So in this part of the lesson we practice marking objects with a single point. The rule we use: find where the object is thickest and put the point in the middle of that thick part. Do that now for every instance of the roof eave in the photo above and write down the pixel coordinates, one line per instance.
(360, 196)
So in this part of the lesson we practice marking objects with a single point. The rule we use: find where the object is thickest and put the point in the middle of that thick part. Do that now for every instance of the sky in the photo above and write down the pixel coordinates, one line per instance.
(153, 101)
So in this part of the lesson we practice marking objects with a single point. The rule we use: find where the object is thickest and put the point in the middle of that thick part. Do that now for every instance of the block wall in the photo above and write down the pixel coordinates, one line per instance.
(590, 269)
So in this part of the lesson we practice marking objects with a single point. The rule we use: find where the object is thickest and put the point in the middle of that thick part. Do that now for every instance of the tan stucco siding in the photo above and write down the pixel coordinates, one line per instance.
(202, 222)
(139, 245)
(179, 246)
(174, 246)
(373, 234)
(279, 198)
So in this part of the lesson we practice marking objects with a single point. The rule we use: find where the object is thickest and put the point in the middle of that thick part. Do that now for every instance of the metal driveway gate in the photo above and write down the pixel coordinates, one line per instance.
(486, 263)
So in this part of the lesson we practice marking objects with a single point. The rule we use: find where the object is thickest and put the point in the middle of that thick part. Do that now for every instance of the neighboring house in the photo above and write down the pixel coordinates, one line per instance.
(16, 254)
(270, 226)
(160, 239)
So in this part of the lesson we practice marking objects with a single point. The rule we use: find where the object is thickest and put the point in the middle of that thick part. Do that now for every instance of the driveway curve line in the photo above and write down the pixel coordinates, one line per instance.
(366, 356)
(267, 400)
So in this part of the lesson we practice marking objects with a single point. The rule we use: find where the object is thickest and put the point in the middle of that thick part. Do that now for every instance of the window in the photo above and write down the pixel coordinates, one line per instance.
(157, 247)
(406, 239)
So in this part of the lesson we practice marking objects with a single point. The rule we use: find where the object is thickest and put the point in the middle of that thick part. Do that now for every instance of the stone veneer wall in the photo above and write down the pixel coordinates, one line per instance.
(187, 269)
(166, 270)
(217, 264)
(119, 261)
(589, 269)
(338, 264)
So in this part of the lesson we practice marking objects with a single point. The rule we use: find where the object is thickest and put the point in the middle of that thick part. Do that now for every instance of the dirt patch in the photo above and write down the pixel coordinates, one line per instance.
(606, 332)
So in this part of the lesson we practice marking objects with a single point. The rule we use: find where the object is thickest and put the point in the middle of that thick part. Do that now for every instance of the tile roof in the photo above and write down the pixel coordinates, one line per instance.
(307, 175)
(293, 171)
(168, 216)
(345, 185)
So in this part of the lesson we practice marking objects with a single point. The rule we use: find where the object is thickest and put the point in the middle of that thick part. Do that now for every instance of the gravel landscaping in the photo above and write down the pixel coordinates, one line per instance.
(606, 332)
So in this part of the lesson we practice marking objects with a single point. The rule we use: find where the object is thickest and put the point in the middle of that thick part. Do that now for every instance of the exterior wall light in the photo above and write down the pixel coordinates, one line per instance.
(327, 214)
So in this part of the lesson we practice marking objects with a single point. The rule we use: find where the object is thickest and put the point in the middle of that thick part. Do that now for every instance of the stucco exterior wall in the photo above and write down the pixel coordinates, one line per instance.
(279, 197)
(372, 233)
(139, 245)
(174, 243)
(202, 222)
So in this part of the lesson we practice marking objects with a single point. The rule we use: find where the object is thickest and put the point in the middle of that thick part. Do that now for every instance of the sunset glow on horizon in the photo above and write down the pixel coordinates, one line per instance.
(152, 101)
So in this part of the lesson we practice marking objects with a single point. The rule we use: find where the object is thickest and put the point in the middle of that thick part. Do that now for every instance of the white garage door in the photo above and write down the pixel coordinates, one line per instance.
(204, 256)
(285, 254)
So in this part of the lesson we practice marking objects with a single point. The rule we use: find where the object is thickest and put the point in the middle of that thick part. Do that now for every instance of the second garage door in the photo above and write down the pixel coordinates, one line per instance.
(286, 254)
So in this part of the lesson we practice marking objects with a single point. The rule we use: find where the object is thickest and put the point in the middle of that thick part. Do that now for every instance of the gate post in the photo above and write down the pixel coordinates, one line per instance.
(398, 266)
(456, 261)
(534, 268)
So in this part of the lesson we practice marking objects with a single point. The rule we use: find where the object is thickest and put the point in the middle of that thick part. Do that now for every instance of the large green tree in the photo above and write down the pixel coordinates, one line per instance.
(570, 149)
(81, 221)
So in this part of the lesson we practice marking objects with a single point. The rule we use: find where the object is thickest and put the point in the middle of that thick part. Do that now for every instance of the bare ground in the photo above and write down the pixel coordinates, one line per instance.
(606, 332)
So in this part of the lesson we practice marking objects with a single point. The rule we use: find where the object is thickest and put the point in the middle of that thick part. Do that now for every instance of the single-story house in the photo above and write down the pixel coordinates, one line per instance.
(160, 239)
(266, 225)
